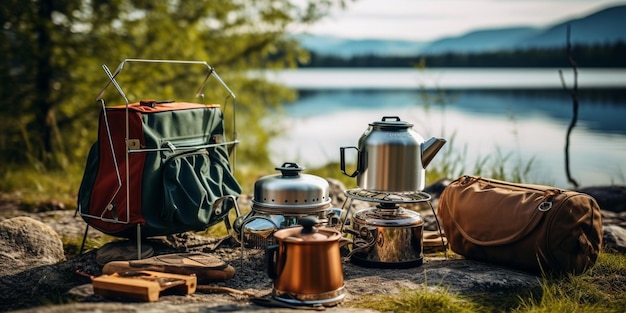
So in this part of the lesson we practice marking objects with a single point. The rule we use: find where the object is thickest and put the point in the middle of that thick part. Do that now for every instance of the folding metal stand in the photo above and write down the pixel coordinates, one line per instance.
(218, 205)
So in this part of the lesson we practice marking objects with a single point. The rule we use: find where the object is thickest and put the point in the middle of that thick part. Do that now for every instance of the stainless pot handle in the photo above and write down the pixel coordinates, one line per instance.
(342, 159)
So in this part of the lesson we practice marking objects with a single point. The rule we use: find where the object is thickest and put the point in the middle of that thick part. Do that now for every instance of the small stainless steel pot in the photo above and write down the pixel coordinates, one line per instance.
(291, 191)
(305, 265)
(387, 237)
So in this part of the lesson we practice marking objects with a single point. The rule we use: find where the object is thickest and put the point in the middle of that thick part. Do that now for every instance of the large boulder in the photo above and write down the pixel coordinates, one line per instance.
(609, 198)
(27, 243)
(614, 238)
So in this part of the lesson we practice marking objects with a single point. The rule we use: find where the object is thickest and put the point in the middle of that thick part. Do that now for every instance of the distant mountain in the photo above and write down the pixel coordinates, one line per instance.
(481, 40)
(605, 26)
(328, 45)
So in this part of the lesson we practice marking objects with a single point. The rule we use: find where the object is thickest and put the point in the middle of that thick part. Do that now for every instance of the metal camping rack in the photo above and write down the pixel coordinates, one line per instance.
(133, 148)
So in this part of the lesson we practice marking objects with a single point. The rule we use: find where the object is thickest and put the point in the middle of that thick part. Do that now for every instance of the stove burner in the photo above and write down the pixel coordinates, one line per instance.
(386, 236)
(387, 197)
(388, 206)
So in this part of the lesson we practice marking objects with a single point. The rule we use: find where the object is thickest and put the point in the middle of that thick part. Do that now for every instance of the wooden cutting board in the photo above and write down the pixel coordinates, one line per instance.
(143, 285)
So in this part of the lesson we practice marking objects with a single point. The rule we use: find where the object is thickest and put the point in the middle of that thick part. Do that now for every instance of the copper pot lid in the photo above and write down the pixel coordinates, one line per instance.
(307, 233)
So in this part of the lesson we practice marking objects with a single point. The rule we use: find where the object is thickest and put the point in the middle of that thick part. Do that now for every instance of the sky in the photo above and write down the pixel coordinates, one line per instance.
(425, 20)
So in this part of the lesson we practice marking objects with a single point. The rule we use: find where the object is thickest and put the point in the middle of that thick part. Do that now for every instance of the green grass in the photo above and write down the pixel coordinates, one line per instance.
(601, 289)
(37, 189)
(423, 300)
(71, 245)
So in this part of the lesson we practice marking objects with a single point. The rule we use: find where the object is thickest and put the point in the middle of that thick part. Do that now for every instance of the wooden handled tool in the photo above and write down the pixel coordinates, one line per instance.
(143, 285)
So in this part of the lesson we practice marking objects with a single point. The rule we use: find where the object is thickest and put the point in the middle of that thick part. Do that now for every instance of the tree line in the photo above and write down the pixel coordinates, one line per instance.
(599, 56)
(53, 52)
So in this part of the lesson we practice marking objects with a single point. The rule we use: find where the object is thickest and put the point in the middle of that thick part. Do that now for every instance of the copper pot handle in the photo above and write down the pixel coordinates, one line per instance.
(270, 257)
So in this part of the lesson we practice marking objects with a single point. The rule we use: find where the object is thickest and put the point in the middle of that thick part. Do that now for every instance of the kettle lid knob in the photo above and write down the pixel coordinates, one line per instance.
(392, 123)
(290, 169)
(308, 224)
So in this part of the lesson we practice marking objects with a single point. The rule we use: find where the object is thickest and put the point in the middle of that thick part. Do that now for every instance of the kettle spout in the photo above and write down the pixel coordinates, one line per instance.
(430, 148)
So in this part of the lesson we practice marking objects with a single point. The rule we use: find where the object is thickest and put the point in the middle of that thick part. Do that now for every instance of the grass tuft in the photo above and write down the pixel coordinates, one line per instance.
(71, 245)
(601, 289)
(423, 300)
(40, 190)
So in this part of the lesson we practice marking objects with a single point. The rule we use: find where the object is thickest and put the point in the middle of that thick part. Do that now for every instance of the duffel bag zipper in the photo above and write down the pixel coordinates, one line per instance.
(544, 206)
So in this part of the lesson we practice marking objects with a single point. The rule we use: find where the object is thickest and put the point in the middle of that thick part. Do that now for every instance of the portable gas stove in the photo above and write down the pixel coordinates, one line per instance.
(386, 235)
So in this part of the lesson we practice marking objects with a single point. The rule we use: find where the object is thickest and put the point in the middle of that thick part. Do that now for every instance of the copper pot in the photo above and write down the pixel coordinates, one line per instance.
(305, 264)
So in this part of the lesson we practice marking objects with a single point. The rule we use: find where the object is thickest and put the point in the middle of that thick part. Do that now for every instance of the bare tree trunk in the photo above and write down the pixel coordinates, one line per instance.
(574, 94)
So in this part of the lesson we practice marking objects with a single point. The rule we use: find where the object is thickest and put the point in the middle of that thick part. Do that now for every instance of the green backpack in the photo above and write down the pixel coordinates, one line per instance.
(174, 178)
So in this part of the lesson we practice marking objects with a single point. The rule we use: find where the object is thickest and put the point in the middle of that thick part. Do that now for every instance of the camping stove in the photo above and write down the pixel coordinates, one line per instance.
(280, 200)
(385, 235)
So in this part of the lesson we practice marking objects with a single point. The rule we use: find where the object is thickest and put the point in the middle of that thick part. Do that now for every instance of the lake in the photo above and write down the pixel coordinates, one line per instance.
(517, 115)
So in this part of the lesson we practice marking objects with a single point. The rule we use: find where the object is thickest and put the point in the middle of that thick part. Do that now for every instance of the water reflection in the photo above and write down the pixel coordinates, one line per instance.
(601, 109)
(521, 125)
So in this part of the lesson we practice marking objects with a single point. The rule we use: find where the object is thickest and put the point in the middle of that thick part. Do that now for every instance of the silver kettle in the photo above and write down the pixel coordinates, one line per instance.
(392, 157)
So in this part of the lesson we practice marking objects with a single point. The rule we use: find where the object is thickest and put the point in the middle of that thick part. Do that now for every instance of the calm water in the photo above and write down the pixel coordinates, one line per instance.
(523, 116)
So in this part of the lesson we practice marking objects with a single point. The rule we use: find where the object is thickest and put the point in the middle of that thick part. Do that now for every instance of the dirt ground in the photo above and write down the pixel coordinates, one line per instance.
(437, 271)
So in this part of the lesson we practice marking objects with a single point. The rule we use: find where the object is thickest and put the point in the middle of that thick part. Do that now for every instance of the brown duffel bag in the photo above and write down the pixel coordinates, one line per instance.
(536, 228)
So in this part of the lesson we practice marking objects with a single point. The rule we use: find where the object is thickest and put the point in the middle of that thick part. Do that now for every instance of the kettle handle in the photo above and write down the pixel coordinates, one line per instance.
(342, 161)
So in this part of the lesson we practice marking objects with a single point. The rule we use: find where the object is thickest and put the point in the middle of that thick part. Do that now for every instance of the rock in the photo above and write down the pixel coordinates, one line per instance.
(455, 275)
(338, 198)
(614, 238)
(32, 289)
(435, 189)
(609, 198)
(52, 280)
(27, 243)
(168, 306)
(612, 218)
(43, 284)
